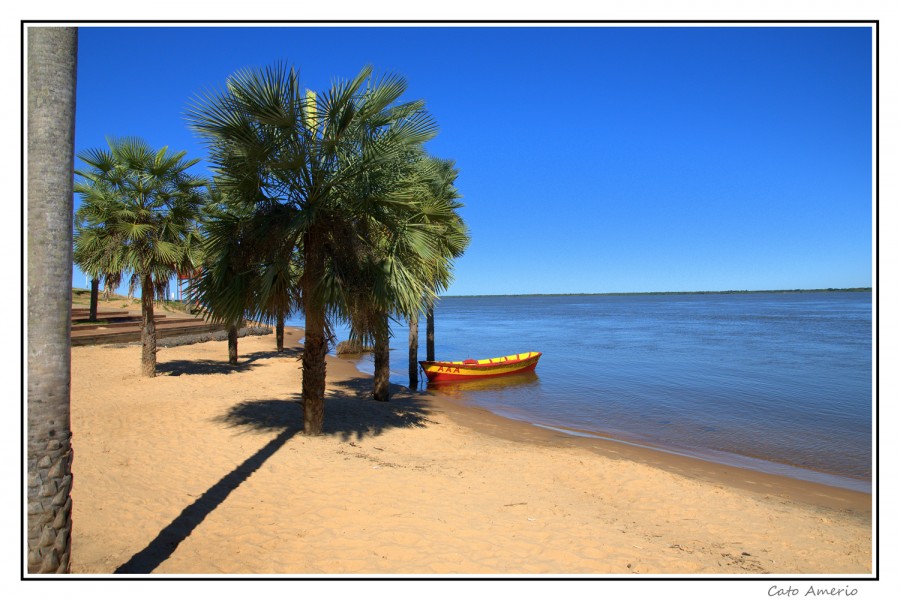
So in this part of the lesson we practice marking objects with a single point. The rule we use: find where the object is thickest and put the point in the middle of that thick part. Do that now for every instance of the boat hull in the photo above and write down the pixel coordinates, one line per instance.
(455, 371)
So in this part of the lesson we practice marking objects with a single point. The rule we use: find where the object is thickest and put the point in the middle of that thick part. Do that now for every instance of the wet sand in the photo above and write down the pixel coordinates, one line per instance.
(203, 471)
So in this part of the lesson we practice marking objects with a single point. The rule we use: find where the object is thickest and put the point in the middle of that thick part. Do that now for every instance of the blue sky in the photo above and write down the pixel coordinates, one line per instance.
(592, 158)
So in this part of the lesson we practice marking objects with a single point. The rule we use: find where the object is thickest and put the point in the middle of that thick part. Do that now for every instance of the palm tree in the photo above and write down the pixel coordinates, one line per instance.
(440, 176)
(278, 290)
(374, 281)
(409, 256)
(149, 201)
(222, 288)
(98, 247)
(271, 143)
(247, 269)
(52, 57)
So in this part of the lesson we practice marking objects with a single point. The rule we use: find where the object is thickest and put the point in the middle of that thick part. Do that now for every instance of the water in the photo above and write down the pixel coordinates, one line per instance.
(779, 382)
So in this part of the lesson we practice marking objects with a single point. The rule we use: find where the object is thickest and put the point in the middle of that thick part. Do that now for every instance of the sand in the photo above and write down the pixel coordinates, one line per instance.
(203, 471)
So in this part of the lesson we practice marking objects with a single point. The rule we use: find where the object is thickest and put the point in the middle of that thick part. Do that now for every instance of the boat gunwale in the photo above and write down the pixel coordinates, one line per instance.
(481, 364)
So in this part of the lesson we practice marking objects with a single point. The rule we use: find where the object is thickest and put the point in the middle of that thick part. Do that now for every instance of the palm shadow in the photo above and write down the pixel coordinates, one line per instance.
(180, 367)
(168, 539)
(349, 412)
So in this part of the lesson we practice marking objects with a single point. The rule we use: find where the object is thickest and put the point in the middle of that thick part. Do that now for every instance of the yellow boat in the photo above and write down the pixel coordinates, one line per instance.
(449, 371)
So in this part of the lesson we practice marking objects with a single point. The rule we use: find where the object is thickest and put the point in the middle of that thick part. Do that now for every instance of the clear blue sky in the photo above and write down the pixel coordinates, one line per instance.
(591, 158)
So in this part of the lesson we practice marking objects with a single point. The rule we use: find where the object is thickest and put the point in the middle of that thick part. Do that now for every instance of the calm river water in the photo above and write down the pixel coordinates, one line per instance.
(778, 382)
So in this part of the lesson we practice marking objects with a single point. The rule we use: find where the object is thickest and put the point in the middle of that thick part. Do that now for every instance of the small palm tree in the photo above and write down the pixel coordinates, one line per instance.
(407, 260)
(224, 289)
(280, 294)
(98, 247)
(442, 195)
(248, 272)
(149, 201)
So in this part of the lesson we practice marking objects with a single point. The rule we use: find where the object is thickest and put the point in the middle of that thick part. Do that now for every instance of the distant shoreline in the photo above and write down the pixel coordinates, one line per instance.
(794, 291)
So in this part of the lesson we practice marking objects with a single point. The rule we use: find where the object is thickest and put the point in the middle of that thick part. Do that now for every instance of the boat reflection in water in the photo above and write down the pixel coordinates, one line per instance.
(459, 388)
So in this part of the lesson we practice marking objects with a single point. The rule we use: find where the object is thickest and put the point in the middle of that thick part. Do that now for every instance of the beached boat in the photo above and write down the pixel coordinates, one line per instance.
(449, 371)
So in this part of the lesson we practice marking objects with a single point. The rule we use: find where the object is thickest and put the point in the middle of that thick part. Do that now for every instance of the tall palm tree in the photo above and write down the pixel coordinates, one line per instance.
(52, 57)
(150, 202)
(271, 143)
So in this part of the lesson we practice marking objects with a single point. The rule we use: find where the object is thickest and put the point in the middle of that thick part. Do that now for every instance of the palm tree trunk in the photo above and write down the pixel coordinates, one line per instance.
(52, 53)
(279, 333)
(233, 345)
(414, 352)
(148, 329)
(95, 295)
(188, 300)
(315, 347)
(429, 334)
(382, 357)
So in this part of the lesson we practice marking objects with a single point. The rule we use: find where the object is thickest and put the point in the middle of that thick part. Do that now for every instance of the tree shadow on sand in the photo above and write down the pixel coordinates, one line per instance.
(349, 412)
(209, 367)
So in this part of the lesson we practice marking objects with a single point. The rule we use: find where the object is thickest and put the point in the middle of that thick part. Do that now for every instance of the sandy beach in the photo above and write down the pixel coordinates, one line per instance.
(203, 471)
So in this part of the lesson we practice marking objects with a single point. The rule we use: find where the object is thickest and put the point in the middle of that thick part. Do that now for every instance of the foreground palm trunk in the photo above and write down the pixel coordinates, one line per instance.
(51, 126)
(414, 352)
(315, 347)
(382, 356)
(148, 329)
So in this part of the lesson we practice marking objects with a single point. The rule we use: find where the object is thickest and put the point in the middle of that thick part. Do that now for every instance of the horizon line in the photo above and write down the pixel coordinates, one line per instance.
(784, 290)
